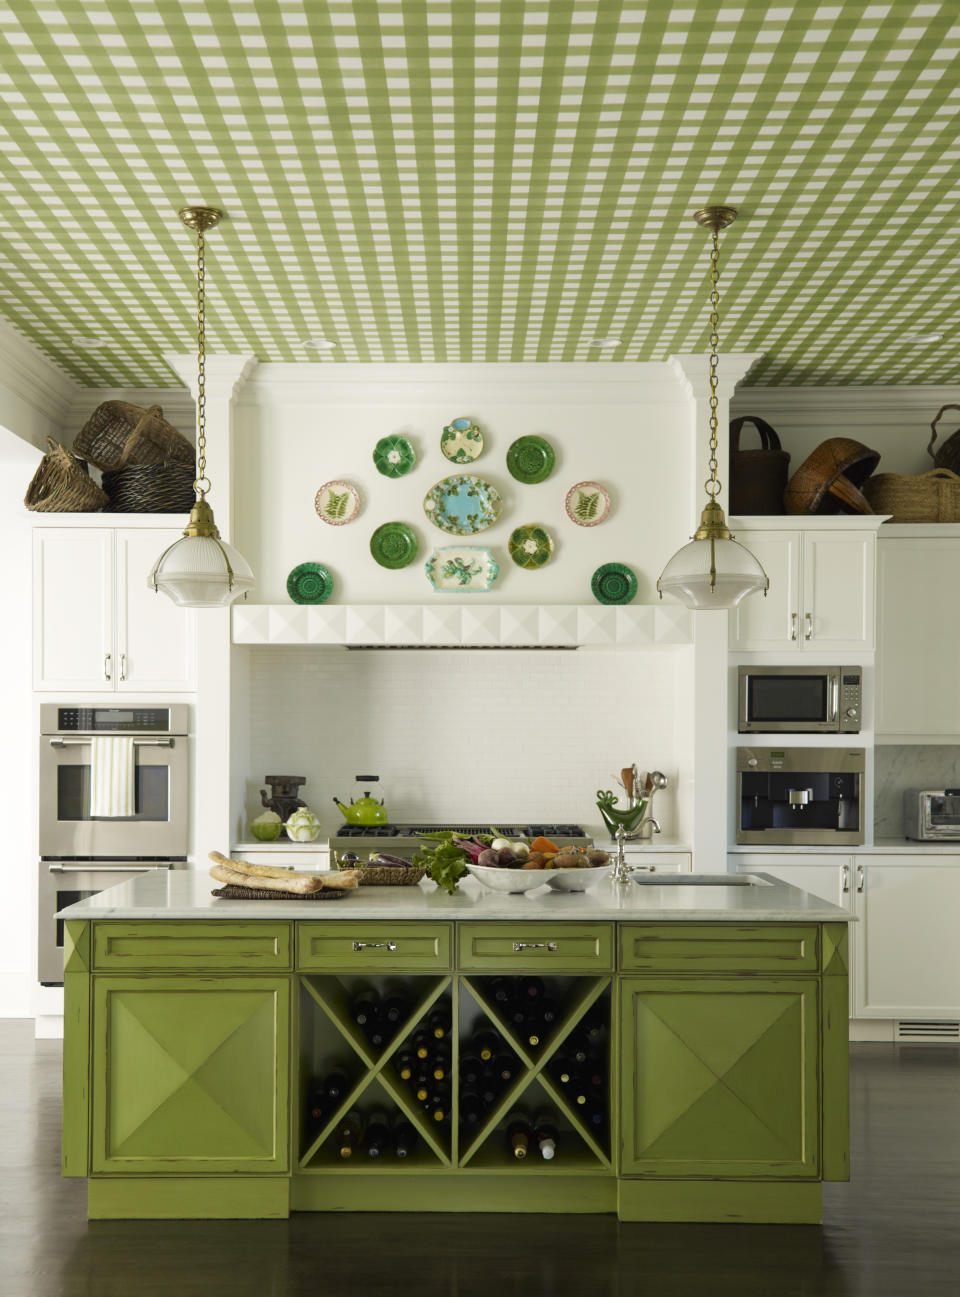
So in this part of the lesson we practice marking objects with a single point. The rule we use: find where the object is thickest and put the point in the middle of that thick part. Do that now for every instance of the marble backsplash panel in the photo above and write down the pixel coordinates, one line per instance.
(901, 766)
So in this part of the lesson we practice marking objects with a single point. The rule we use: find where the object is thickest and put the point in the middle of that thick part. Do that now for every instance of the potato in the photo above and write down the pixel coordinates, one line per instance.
(489, 859)
(597, 857)
(531, 864)
(569, 860)
(535, 860)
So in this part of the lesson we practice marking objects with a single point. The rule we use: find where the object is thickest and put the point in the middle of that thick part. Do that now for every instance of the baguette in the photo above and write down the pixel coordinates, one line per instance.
(291, 884)
(342, 881)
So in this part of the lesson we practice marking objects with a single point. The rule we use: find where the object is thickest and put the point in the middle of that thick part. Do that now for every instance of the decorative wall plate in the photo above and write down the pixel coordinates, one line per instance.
(463, 505)
(587, 504)
(530, 459)
(462, 441)
(394, 456)
(613, 583)
(309, 583)
(530, 546)
(337, 502)
(394, 544)
(462, 569)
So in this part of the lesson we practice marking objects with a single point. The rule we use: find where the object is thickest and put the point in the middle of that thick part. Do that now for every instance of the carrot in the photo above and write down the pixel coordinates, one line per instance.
(544, 845)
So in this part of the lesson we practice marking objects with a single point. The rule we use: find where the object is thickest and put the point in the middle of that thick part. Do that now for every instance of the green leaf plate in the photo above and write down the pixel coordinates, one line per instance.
(394, 456)
(587, 504)
(530, 546)
(337, 503)
(309, 583)
(613, 583)
(530, 459)
(462, 441)
(394, 544)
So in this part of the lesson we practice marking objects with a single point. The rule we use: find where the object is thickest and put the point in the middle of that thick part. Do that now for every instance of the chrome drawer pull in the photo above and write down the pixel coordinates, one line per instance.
(374, 945)
(534, 945)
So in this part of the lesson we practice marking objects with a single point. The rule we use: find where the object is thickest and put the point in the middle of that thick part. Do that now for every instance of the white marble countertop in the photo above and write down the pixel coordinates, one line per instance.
(186, 894)
(323, 844)
(882, 846)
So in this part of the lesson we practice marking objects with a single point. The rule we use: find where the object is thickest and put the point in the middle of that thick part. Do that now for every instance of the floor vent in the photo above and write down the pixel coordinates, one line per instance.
(919, 1029)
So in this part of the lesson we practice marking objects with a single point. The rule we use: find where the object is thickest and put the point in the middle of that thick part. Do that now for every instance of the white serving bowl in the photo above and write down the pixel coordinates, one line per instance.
(509, 880)
(576, 880)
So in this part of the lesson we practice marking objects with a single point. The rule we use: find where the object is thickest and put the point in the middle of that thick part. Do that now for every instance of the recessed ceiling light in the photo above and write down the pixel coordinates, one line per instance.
(605, 342)
(88, 344)
(319, 344)
(922, 337)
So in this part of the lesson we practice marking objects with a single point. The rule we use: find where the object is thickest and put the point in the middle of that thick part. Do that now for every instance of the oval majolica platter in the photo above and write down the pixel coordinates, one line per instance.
(461, 569)
(463, 505)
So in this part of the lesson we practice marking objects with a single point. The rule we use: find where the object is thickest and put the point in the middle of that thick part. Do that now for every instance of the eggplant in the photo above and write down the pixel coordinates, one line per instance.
(391, 862)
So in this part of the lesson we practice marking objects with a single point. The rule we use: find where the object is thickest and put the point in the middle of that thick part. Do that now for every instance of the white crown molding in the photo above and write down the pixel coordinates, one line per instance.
(692, 368)
(888, 404)
(228, 373)
(31, 377)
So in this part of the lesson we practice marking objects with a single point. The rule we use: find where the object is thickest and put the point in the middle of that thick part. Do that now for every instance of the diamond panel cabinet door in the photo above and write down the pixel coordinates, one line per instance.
(189, 1075)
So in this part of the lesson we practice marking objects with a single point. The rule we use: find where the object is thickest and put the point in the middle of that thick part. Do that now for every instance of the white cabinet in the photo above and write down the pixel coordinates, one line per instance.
(918, 630)
(821, 593)
(657, 862)
(96, 625)
(907, 955)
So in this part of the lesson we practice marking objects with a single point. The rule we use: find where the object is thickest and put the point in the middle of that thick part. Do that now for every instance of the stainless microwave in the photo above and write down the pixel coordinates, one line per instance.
(800, 700)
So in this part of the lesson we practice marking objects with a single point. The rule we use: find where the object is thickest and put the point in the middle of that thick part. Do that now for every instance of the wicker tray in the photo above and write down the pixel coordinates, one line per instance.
(388, 875)
(231, 893)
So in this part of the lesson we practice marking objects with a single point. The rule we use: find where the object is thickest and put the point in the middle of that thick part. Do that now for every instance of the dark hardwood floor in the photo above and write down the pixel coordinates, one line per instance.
(895, 1229)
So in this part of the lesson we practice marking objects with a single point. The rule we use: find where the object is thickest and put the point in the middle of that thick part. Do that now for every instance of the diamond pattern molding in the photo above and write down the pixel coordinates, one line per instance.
(419, 180)
(528, 626)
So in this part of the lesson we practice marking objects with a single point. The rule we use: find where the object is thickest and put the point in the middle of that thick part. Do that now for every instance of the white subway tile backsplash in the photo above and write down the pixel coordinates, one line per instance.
(479, 734)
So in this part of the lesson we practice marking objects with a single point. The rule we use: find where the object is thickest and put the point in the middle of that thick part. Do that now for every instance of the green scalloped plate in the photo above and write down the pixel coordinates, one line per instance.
(310, 583)
(394, 544)
(530, 546)
(394, 456)
(613, 583)
(530, 460)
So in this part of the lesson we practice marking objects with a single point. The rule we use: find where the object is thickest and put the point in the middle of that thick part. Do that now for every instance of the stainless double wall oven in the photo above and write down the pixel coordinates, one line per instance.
(81, 854)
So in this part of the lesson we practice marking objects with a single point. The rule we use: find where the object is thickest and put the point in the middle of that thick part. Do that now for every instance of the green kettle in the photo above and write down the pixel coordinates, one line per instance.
(364, 809)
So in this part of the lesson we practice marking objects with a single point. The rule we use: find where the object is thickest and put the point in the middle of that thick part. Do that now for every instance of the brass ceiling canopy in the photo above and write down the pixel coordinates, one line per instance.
(714, 219)
(200, 219)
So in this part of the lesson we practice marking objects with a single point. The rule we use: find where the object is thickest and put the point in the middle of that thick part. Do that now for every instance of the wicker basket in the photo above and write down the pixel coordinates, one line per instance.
(151, 488)
(924, 497)
(118, 434)
(61, 484)
(948, 454)
(384, 875)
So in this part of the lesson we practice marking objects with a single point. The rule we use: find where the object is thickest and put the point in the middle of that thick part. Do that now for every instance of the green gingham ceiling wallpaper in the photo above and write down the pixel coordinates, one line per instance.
(482, 180)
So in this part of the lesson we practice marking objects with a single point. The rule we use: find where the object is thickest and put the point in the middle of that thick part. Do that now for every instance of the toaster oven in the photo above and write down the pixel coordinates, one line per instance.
(931, 814)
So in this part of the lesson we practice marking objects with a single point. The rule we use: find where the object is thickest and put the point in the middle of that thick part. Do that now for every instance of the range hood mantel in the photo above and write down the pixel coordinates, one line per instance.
(465, 626)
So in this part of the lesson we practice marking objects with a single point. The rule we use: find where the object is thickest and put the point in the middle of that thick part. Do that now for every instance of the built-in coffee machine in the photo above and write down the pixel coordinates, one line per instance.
(800, 796)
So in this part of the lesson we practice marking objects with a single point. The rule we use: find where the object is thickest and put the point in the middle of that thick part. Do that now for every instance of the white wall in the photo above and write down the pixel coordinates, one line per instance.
(483, 734)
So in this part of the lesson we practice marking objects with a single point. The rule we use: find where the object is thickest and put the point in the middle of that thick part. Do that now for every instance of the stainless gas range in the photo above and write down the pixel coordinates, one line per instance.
(403, 840)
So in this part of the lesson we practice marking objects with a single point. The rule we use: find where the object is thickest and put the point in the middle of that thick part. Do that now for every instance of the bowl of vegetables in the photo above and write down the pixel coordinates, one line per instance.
(447, 857)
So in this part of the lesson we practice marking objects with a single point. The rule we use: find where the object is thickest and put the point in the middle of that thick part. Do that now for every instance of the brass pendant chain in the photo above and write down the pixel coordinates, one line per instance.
(713, 485)
(202, 484)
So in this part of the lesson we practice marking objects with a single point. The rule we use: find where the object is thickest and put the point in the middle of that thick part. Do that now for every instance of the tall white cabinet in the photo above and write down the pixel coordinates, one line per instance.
(97, 627)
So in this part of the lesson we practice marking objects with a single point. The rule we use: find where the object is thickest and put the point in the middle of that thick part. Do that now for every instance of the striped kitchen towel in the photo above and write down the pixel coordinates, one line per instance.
(112, 777)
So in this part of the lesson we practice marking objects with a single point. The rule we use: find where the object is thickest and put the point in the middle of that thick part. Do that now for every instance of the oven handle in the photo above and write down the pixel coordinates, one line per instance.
(94, 868)
(137, 743)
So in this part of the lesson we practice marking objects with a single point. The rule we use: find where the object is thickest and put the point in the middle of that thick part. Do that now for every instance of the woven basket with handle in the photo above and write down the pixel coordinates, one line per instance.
(757, 475)
(921, 497)
(118, 434)
(948, 455)
(61, 484)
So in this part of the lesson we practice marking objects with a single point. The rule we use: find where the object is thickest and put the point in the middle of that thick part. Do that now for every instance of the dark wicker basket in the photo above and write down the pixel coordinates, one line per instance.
(151, 488)
(62, 484)
(118, 434)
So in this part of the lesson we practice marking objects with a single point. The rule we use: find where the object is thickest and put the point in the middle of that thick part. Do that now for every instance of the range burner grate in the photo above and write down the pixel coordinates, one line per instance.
(466, 830)
(367, 831)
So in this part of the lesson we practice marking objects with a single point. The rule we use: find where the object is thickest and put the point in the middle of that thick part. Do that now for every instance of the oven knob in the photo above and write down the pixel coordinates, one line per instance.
(851, 711)
(752, 761)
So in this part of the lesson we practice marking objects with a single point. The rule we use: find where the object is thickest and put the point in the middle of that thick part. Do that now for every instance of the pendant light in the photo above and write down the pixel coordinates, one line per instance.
(713, 571)
(200, 570)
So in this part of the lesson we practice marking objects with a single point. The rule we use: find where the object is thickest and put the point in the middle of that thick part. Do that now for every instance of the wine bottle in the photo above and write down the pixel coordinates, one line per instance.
(472, 1108)
(490, 1087)
(438, 1105)
(516, 1011)
(439, 1022)
(502, 989)
(377, 1134)
(422, 1084)
(405, 1065)
(531, 988)
(519, 1136)
(545, 1133)
(365, 1006)
(395, 1006)
(502, 1067)
(563, 1068)
(470, 1069)
(404, 1137)
(421, 1044)
(549, 1011)
(349, 1133)
(485, 1041)
(375, 1031)
(317, 1102)
(440, 1065)
(336, 1084)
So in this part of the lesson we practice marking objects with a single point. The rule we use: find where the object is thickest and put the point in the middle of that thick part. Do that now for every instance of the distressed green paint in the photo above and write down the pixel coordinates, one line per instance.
(721, 1201)
(458, 1191)
(184, 1198)
(190, 1074)
(835, 960)
(544, 947)
(178, 947)
(835, 1053)
(720, 1077)
(75, 1148)
(365, 947)
(719, 947)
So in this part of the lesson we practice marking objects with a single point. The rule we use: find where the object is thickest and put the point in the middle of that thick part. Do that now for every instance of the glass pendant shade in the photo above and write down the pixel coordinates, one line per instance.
(712, 573)
(201, 572)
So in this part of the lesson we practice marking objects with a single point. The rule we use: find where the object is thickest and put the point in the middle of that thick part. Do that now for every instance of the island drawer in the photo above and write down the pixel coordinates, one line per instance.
(188, 946)
(366, 947)
(515, 947)
(719, 947)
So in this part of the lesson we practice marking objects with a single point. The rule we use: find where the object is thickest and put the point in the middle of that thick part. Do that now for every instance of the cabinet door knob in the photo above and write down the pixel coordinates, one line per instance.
(793, 625)
(123, 666)
(808, 619)
(534, 945)
(861, 880)
(845, 878)
(107, 659)
(374, 945)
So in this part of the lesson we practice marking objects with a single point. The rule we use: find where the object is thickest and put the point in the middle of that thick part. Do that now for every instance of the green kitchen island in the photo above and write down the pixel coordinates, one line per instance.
(196, 1026)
